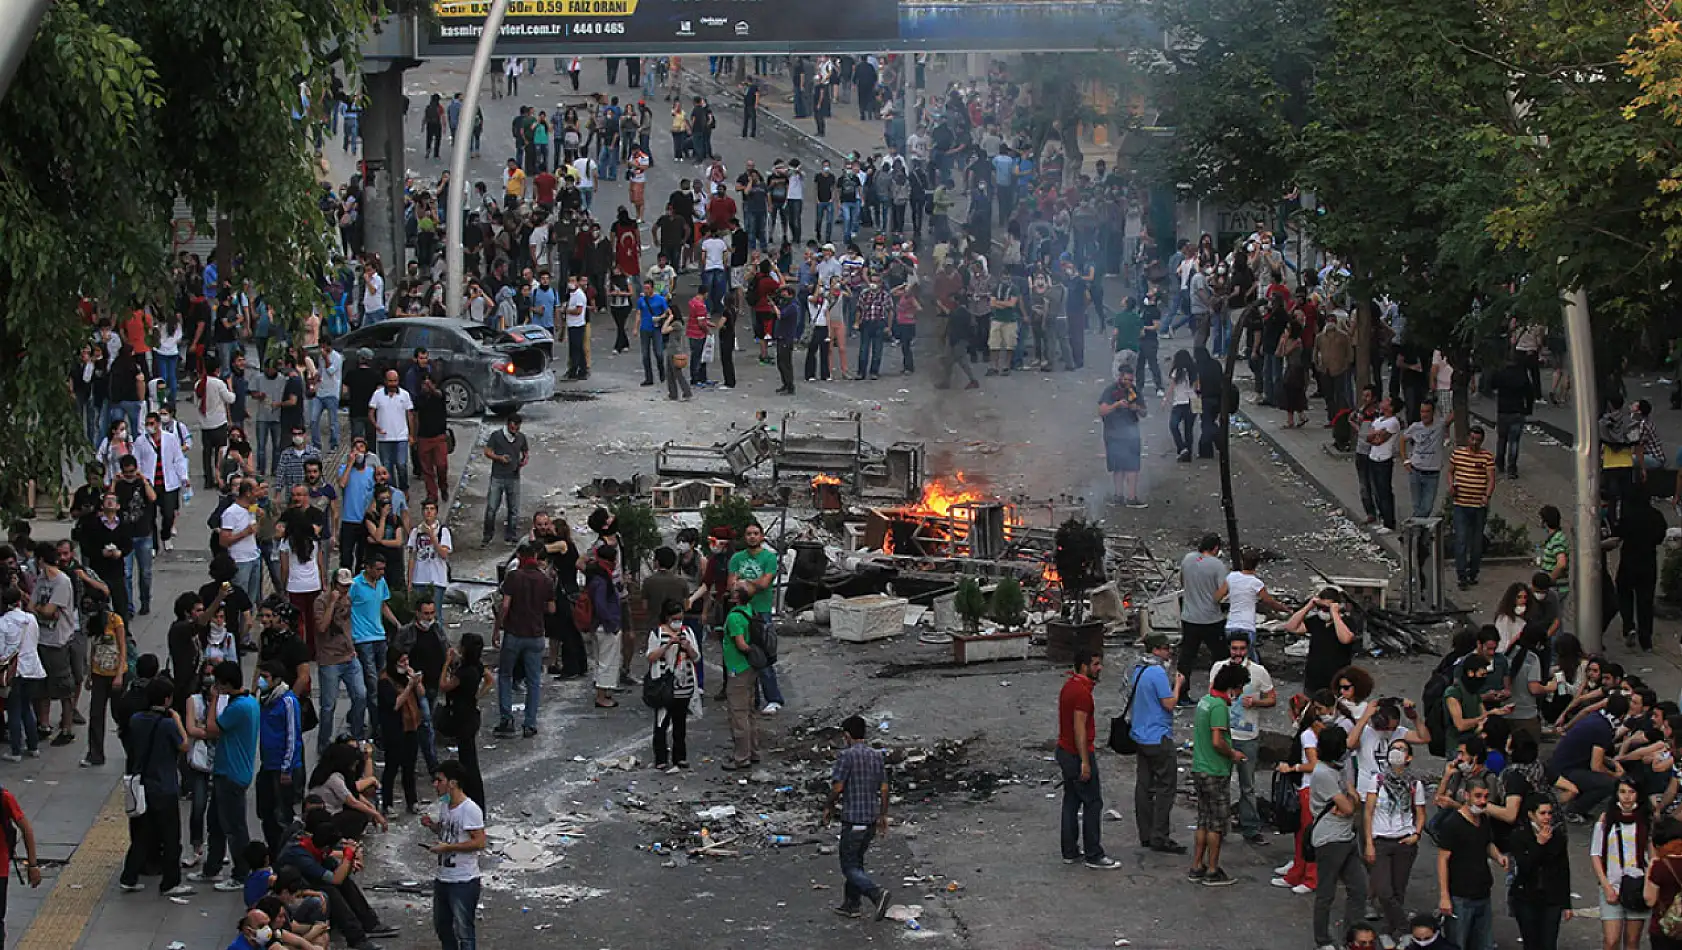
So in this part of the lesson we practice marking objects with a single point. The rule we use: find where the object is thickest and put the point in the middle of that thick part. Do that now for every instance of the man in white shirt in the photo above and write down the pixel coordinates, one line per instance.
(1384, 437)
(715, 278)
(585, 167)
(373, 295)
(328, 386)
(578, 325)
(218, 396)
(393, 414)
(795, 201)
(1246, 728)
(539, 244)
(239, 538)
(459, 823)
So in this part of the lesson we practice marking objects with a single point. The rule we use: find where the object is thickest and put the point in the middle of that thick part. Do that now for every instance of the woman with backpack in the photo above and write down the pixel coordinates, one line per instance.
(1663, 888)
(672, 657)
(1620, 849)
(1316, 714)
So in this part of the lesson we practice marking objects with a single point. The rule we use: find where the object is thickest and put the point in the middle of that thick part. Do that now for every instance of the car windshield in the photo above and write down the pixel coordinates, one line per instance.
(484, 335)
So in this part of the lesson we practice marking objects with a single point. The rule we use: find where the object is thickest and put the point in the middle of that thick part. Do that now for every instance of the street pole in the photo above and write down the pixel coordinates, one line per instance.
(1585, 554)
(21, 19)
(454, 255)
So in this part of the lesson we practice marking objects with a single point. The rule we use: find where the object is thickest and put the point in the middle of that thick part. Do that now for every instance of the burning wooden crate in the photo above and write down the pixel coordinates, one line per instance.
(863, 619)
(826, 492)
(691, 494)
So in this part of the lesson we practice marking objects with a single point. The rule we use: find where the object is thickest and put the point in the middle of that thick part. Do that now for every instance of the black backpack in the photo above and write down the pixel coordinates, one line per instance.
(762, 640)
(1431, 701)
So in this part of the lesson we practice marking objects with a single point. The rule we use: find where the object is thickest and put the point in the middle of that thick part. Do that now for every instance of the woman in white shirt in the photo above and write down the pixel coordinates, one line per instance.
(1182, 385)
(20, 635)
(1620, 848)
(300, 565)
(1395, 817)
(1509, 614)
(672, 650)
(817, 345)
(169, 356)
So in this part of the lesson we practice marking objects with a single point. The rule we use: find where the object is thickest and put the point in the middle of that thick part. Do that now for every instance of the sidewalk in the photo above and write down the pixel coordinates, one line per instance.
(80, 829)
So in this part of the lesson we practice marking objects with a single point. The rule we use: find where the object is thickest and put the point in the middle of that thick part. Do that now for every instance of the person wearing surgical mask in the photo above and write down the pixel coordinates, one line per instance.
(673, 652)
(1395, 818)
(1467, 765)
(255, 933)
(1464, 879)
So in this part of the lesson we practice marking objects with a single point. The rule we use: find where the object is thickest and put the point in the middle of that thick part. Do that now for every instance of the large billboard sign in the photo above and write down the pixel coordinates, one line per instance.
(545, 27)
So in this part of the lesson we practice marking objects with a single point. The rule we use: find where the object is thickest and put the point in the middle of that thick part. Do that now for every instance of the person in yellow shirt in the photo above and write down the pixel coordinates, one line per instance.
(513, 183)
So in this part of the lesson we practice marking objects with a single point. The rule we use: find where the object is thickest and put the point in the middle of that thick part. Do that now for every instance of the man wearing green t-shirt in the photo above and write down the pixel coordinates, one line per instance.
(756, 567)
(738, 688)
(1212, 757)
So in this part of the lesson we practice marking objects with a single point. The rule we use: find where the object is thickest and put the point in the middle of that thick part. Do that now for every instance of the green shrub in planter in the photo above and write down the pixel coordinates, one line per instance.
(734, 512)
(1009, 607)
(970, 603)
(639, 533)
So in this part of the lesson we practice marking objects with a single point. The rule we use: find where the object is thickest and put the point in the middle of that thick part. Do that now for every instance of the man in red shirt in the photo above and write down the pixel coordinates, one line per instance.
(11, 814)
(1083, 803)
(544, 185)
(720, 208)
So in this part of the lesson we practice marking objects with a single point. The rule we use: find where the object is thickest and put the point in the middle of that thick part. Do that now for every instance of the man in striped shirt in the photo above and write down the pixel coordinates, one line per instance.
(1471, 482)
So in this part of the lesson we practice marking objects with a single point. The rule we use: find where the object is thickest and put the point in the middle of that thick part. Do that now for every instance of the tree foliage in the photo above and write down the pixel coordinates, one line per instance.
(119, 107)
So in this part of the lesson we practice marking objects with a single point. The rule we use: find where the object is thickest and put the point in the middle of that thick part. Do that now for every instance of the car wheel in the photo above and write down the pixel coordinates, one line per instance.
(505, 408)
(459, 398)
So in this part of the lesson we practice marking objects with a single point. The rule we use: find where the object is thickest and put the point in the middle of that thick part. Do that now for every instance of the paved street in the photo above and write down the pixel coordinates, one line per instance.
(979, 811)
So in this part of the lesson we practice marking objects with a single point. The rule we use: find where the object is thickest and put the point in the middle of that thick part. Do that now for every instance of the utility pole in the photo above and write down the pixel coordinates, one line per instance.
(1585, 450)
(454, 257)
(19, 19)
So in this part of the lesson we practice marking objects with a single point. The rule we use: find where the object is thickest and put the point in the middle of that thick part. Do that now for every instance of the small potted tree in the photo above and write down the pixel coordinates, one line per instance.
(1006, 606)
(1079, 559)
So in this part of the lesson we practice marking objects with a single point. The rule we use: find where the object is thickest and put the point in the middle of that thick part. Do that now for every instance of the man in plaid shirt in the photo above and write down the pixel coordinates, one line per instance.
(860, 784)
(289, 468)
(872, 322)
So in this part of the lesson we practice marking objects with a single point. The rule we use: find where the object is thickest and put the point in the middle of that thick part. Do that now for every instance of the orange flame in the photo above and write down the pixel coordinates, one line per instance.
(940, 496)
(824, 478)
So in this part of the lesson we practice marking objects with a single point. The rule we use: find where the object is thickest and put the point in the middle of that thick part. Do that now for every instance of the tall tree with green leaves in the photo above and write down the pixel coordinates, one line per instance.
(120, 106)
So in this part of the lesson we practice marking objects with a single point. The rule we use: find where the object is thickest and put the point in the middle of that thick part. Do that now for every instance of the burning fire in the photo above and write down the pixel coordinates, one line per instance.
(939, 496)
(824, 478)
(1049, 576)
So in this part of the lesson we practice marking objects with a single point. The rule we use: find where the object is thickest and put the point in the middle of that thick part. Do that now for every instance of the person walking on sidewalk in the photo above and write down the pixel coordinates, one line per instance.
(509, 451)
(1471, 485)
(1083, 801)
(1151, 726)
(1515, 399)
(1212, 759)
(750, 109)
(859, 782)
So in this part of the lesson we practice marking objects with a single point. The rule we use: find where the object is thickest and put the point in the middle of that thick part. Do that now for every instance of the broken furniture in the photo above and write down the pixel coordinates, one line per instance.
(691, 494)
(825, 445)
(1422, 564)
(895, 475)
(732, 459)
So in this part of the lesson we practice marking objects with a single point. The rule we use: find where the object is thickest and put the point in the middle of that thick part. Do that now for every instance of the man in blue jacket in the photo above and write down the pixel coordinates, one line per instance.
(280, 780)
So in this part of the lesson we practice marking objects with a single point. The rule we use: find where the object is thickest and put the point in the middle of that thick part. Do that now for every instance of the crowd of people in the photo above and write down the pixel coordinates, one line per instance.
(1537, 737)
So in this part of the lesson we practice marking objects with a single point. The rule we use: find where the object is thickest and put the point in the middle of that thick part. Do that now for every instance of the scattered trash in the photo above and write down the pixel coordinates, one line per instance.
(716, 813)
(905, 912)
(180, 900)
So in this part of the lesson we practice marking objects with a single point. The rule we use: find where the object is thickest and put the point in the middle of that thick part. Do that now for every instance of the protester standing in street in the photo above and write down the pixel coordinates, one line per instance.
(1083, 801)
(1465, 847)
(741, 677)
(156, 739)
(1202, 625)
(234, 731)
(1332, 825)
(509, 452)
(859, 782)
(1212, 759)
(672, 649)
(1471, 485)
(12, 812)
(528, 595)
(1245, 735)
(459, 823)
(1422, 456)
(1151, 726)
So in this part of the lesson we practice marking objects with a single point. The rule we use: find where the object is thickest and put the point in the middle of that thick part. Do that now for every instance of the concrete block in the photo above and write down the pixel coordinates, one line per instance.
(867, 618)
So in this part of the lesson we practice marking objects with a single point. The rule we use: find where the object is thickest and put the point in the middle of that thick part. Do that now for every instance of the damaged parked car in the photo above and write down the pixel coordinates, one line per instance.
(477, 368)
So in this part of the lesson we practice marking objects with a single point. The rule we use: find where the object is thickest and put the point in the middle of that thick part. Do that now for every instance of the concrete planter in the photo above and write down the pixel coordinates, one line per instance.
(1063, 639)
(978, 648)
(867, 618)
